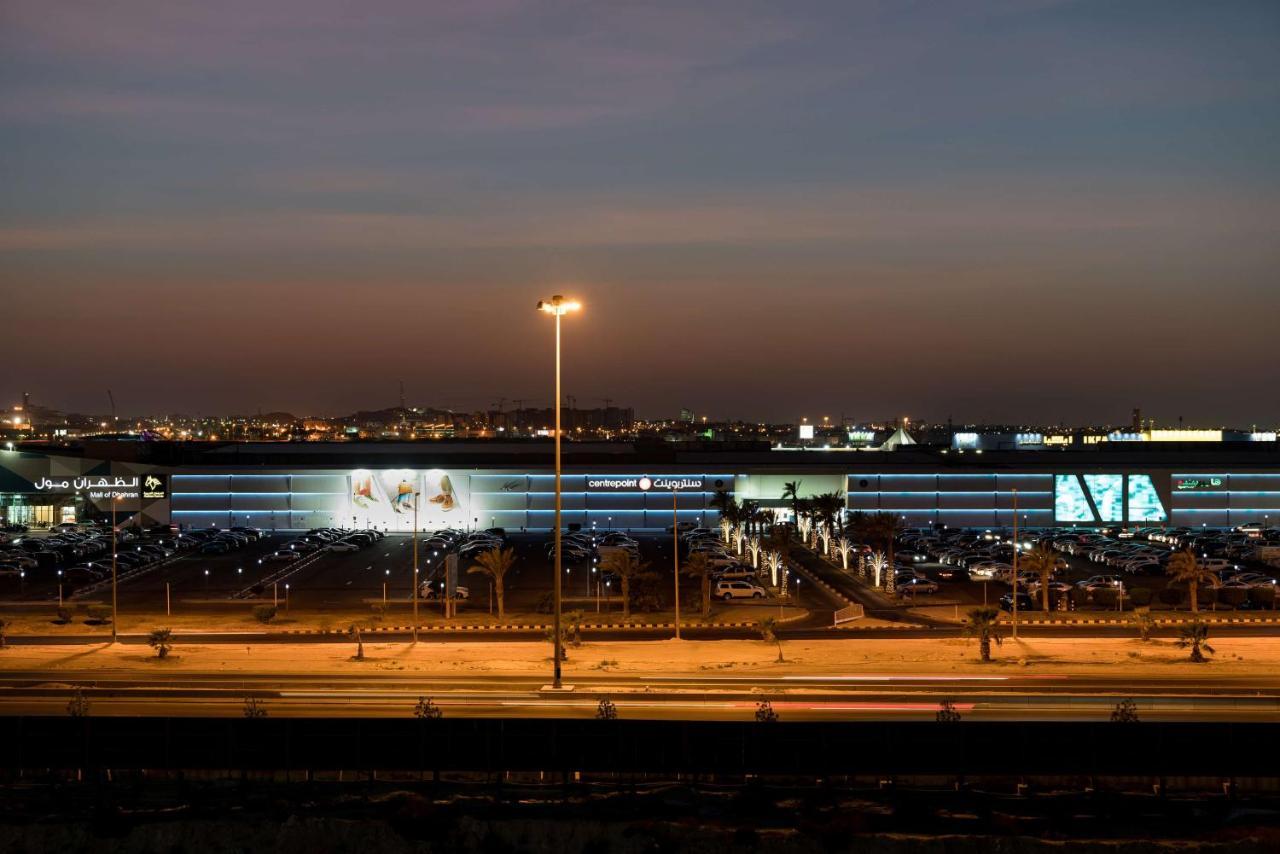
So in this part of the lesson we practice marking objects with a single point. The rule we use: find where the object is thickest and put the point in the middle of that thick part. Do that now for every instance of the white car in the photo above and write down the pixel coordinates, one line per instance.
(433, 591)
(342, 546)
(735, 573)
(729, 590)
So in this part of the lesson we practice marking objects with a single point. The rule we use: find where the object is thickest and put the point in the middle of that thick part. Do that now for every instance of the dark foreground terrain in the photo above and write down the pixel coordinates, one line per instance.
(111, 784)
(186, 813)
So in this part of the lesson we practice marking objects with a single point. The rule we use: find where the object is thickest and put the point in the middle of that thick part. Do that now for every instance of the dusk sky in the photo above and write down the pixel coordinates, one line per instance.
(994, 210)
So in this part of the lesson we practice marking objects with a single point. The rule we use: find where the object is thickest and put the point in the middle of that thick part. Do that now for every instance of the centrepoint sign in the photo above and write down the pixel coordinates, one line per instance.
(642, 483)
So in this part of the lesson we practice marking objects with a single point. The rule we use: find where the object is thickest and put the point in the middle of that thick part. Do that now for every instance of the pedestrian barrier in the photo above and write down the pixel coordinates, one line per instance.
(850, 612)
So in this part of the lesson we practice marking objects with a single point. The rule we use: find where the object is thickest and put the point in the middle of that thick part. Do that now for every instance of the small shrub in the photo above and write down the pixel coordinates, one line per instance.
(253, 709)
(1171, 596)
(98, 614)
(426, 710)
(1233, 596)
(1140, 597)
(765, 713)
(78, 705)
(161, 640)
(1125, 712)
(264, 613)
(947, 713)
(62, 616)
(606, 711)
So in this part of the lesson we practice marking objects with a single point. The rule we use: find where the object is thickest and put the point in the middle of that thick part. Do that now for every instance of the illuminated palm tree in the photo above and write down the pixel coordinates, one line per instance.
(844, 546)
(495, 563)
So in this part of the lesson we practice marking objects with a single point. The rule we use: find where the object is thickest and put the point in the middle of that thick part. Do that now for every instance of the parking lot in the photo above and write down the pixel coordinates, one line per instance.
(963, 585)
(364, 579)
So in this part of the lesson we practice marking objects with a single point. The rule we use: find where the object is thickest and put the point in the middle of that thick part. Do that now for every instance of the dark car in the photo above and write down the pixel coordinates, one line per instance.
(1025, 602)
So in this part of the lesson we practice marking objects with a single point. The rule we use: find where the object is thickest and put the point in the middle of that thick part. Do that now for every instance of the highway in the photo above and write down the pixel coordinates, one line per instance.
(698, 697)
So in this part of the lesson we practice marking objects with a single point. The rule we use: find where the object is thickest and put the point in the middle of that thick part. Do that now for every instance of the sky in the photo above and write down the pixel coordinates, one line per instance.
(995, 210)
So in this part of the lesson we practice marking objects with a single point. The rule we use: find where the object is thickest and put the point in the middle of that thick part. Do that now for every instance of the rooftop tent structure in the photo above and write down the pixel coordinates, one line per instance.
(900, 437)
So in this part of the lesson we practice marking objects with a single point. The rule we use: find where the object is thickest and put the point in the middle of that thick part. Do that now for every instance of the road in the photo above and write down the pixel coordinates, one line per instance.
(654, 697)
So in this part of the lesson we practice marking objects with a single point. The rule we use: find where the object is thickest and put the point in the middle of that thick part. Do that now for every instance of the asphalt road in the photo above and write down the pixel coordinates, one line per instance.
(829, 698)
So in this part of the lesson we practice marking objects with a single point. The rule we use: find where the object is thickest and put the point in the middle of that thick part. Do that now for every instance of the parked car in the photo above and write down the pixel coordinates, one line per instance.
(915, 584)
(342, 546)
(1025, 602)
(283, 555)
(729, 590)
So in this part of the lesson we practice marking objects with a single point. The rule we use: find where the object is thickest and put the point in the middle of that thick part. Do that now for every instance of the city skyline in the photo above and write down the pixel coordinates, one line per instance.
(996, 211)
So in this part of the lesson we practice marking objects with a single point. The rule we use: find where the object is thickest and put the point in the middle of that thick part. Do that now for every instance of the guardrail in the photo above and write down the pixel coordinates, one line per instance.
(288, 571)
(122, 577)
(849, 613)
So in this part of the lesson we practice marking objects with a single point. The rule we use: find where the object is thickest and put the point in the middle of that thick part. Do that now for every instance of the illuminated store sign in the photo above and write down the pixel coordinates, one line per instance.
(643, 483)
(1199, 484)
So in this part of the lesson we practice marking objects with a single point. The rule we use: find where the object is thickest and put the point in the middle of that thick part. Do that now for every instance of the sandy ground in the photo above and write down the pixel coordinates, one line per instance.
(1024, 659)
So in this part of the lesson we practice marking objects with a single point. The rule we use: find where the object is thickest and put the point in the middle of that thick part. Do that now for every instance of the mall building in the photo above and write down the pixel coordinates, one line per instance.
(484, 484)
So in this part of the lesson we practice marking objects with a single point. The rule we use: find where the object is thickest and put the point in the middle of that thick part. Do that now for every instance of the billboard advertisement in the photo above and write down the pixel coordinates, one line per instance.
(389, 498)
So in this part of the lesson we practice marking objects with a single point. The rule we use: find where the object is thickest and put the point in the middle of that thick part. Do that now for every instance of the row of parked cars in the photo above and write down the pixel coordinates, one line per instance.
(731, 577)
(466, 545)
(324, 539)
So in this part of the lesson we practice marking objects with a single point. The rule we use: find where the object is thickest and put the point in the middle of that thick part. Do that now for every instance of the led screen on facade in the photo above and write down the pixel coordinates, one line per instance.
(390, 497)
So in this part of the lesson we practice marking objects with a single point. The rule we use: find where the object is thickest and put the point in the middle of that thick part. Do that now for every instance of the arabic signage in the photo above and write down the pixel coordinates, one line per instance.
(97, 487)
(1200, 484)
(643, 483)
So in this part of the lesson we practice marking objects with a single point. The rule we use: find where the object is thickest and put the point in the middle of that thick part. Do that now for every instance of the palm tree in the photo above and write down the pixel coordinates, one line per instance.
(767, 627)
(982, 624)
(791, 493)
(698, 566)
(884, 528)
(1195, 635)
(1185, 566)
(161, 640)
(495, 563)
(1041, 560)
(828, 507)
(624, 565)
(354, 630)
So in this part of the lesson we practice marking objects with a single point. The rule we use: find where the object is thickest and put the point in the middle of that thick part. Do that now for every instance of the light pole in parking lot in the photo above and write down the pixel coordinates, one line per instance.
(115, 537)
(415, 566)
(675, 552)
(1014, 608)
(557, 306)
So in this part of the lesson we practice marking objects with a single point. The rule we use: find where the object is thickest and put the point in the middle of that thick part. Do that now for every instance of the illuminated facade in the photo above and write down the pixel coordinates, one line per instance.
(470, 485)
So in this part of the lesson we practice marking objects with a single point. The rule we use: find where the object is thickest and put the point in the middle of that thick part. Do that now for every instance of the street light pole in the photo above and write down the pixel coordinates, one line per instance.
(1015, 564)
(675, 552)
(115, 538)
(415, 567)
(558, 307)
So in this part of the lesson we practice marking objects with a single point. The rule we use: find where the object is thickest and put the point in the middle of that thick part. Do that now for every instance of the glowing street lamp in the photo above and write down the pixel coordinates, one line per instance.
(557, 306)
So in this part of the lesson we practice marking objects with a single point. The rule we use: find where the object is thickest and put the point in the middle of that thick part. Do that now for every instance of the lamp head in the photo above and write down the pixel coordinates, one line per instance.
(558, 305)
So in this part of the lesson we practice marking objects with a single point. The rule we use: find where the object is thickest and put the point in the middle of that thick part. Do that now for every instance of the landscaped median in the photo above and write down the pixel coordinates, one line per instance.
(90, 622)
